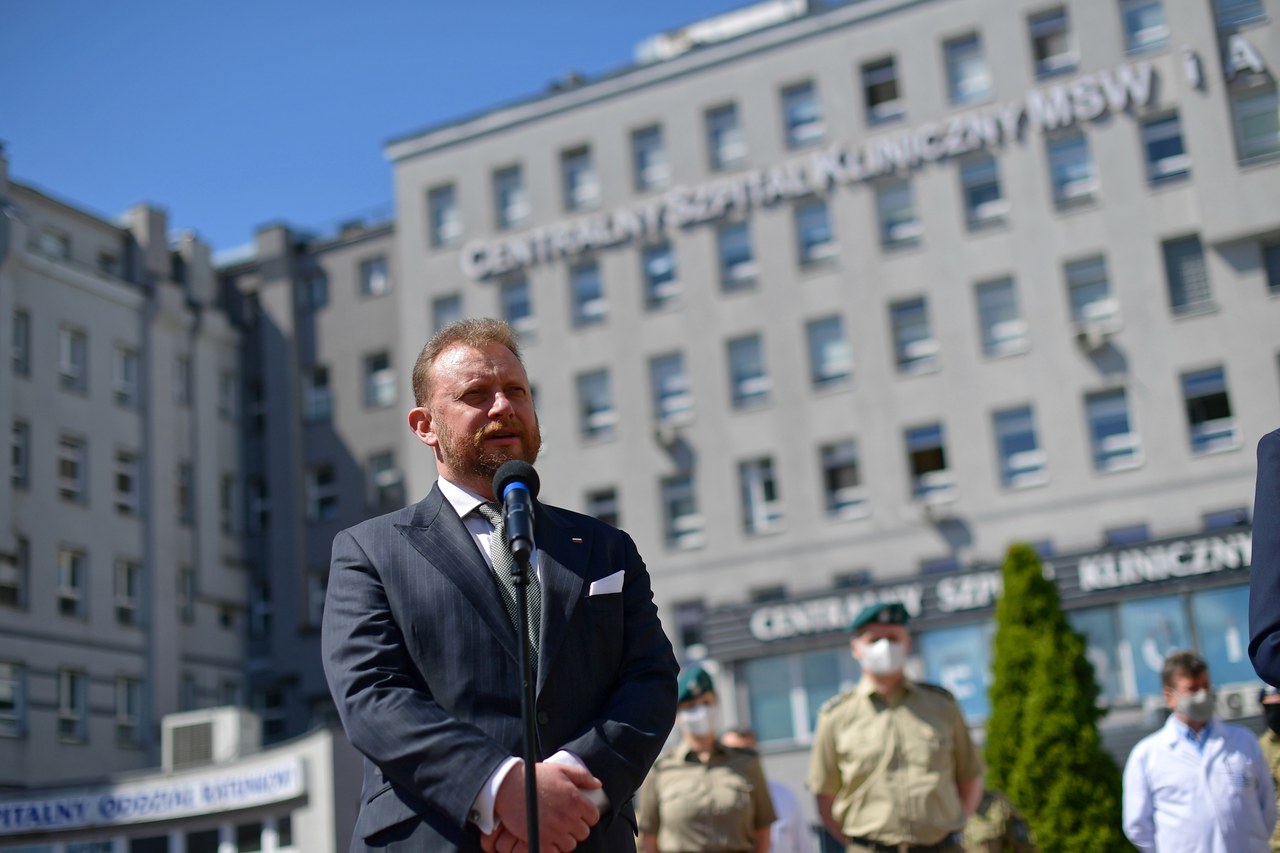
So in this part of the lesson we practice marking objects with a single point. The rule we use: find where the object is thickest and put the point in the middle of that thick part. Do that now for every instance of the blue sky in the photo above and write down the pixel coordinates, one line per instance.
(238, 113)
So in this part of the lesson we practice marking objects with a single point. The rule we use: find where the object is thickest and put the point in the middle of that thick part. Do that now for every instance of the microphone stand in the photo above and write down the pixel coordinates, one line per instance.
(527, 699)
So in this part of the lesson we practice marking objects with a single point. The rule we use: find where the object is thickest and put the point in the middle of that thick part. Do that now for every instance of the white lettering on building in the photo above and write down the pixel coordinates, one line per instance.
(1183, 558)
(834, 613)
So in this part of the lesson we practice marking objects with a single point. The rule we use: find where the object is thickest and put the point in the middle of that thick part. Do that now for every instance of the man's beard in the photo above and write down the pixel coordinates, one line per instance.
(470, 454)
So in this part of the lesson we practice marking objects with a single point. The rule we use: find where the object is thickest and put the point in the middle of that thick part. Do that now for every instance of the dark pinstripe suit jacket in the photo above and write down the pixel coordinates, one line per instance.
(424, 666)
(1264, 574)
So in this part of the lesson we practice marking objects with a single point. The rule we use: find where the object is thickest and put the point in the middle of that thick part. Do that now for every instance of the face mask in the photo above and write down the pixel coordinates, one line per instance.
(884, 657)
(698, 721)
(1197, 707)
(1272, 713)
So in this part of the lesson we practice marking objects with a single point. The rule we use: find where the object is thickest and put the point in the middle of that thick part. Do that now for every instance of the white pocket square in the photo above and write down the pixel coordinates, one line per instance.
(604, 586)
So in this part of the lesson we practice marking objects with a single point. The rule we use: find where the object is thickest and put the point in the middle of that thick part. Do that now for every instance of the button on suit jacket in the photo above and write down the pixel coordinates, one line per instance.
(424, 666)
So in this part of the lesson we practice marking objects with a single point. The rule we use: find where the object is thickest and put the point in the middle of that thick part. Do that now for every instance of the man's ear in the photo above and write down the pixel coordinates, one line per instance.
(420, 425)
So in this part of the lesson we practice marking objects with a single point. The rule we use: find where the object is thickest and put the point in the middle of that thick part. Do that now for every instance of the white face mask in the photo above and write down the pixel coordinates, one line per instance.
(698, 721)
(884, 657)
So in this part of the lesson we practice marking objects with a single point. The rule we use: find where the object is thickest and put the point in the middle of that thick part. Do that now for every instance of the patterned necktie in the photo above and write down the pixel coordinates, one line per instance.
(504, 566)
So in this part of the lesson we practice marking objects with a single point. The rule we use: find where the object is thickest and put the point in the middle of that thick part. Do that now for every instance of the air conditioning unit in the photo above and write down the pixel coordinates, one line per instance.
(1238, 700)
(208, 736)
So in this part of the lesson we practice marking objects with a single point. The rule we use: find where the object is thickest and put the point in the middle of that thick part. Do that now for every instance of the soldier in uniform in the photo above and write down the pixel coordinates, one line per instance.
(1270, 742)
(893, 768)
(702, 796)
(998, 827)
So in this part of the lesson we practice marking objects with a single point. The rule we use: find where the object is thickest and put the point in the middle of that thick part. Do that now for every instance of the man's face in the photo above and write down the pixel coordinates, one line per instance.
(480, 415)
(1185, 685)
(875, 631)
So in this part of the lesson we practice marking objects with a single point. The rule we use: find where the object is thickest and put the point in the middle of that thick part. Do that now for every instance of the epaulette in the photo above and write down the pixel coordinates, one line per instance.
(835, 700)
(742, 750)
(936, 688)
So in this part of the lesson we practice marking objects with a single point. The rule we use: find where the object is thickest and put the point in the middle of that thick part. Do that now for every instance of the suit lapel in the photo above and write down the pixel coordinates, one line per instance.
(442, 539)
(562, 559)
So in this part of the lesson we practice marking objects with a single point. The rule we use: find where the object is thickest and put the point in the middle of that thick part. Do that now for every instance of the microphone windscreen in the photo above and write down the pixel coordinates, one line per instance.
(515, 471)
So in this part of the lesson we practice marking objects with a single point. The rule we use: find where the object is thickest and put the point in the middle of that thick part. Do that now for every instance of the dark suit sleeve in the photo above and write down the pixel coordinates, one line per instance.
(388, 712)
(631, 727)
(1264, 576)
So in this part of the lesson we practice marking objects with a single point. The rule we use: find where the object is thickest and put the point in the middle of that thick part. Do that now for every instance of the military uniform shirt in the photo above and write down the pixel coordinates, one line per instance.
(1270, 744)
(997, 827)
(715, 807)
(891, 764)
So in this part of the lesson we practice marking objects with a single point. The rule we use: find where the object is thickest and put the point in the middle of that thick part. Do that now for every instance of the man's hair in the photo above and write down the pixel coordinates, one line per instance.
(1185, 663)
(476, 333)
(744, 732)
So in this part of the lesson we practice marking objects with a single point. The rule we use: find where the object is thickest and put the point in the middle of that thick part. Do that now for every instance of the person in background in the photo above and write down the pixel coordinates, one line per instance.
(790, 833)
(703, 796)
(893, 767)
(1269, 741)
(1198, 785)
(998, 827)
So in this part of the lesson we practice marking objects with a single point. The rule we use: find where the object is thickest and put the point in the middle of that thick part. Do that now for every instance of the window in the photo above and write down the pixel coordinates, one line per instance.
(830, 362)
(1233, 13)
(259, 509)
(73, 469)
(915, 349)
(581, 189)
(128, 711)
(747, 375)
(509, 198)
(814, 240)
(968, 77)
(374, 279)
(1226, 519)
(672, 399)
(1209, 411)
(386, 484)
(124, 376)
(249, 838)
(880, 90)
(186, 495)
(1004, 332)
(842, 480)
(1051, 46)
(726, 143)
(21, 343)
(182, 380)
(20, 455)
(1162, 145)
(896, 210)
(662, 288)
(603, 504)
(984, 204)
(517, 304)
(379, 381)
(1022, 462)
(317, 396)
(71, 705)
(1071, 169)
(73, 356)
(738, 265)
(1115, 445)
(587, 290)
(1255, 112)
(689, 617)
(445, 310)
(1186, 275)
(761, 506)
(227, 503)
(443, 217)
(313, 291)
(317, 587)
(1144, 26)
(13, 699)
(1129, 534)
(127, 482)
(73, 568)
(322, 493)
(1090, 293)
(649, 156)
(927, 460)
(228, 390)
(680, 511)
(109, 264)
(1271, 264)
(14, 577)
(186, 597)
(597, 415)
(54, 243)
(128, 591)
(801, 115)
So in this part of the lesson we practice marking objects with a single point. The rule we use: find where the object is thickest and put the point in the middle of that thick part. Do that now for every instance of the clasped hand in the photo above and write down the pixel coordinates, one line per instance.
(565, 816)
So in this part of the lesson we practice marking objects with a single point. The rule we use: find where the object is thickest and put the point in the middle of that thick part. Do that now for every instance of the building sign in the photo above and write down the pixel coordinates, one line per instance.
(833, 613)
(1177, 559)
(160, 799)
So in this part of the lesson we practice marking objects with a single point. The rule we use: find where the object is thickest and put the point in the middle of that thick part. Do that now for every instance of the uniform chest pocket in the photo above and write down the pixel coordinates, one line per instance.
(927, 748)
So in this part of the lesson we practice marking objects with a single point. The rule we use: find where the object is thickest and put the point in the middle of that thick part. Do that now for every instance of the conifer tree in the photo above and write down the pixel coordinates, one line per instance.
(1043, 748)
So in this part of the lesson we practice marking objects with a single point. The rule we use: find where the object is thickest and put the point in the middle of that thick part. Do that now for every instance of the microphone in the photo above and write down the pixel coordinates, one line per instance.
(516, 485)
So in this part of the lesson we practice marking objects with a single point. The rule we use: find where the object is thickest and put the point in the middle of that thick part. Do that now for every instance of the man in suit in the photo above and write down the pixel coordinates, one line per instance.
(1264, 576)
(423, 659)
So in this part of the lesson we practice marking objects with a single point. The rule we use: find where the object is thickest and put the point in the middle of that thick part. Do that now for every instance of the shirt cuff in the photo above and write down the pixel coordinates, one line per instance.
(597, 796)
(482, 809)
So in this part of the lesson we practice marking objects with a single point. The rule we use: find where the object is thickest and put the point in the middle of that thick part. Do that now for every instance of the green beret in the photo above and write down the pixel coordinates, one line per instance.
(883, 613)
(692, 684)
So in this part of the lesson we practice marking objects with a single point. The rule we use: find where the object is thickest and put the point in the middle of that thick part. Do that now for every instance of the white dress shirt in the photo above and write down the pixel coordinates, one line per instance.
(1205, 793)
(790, 833)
